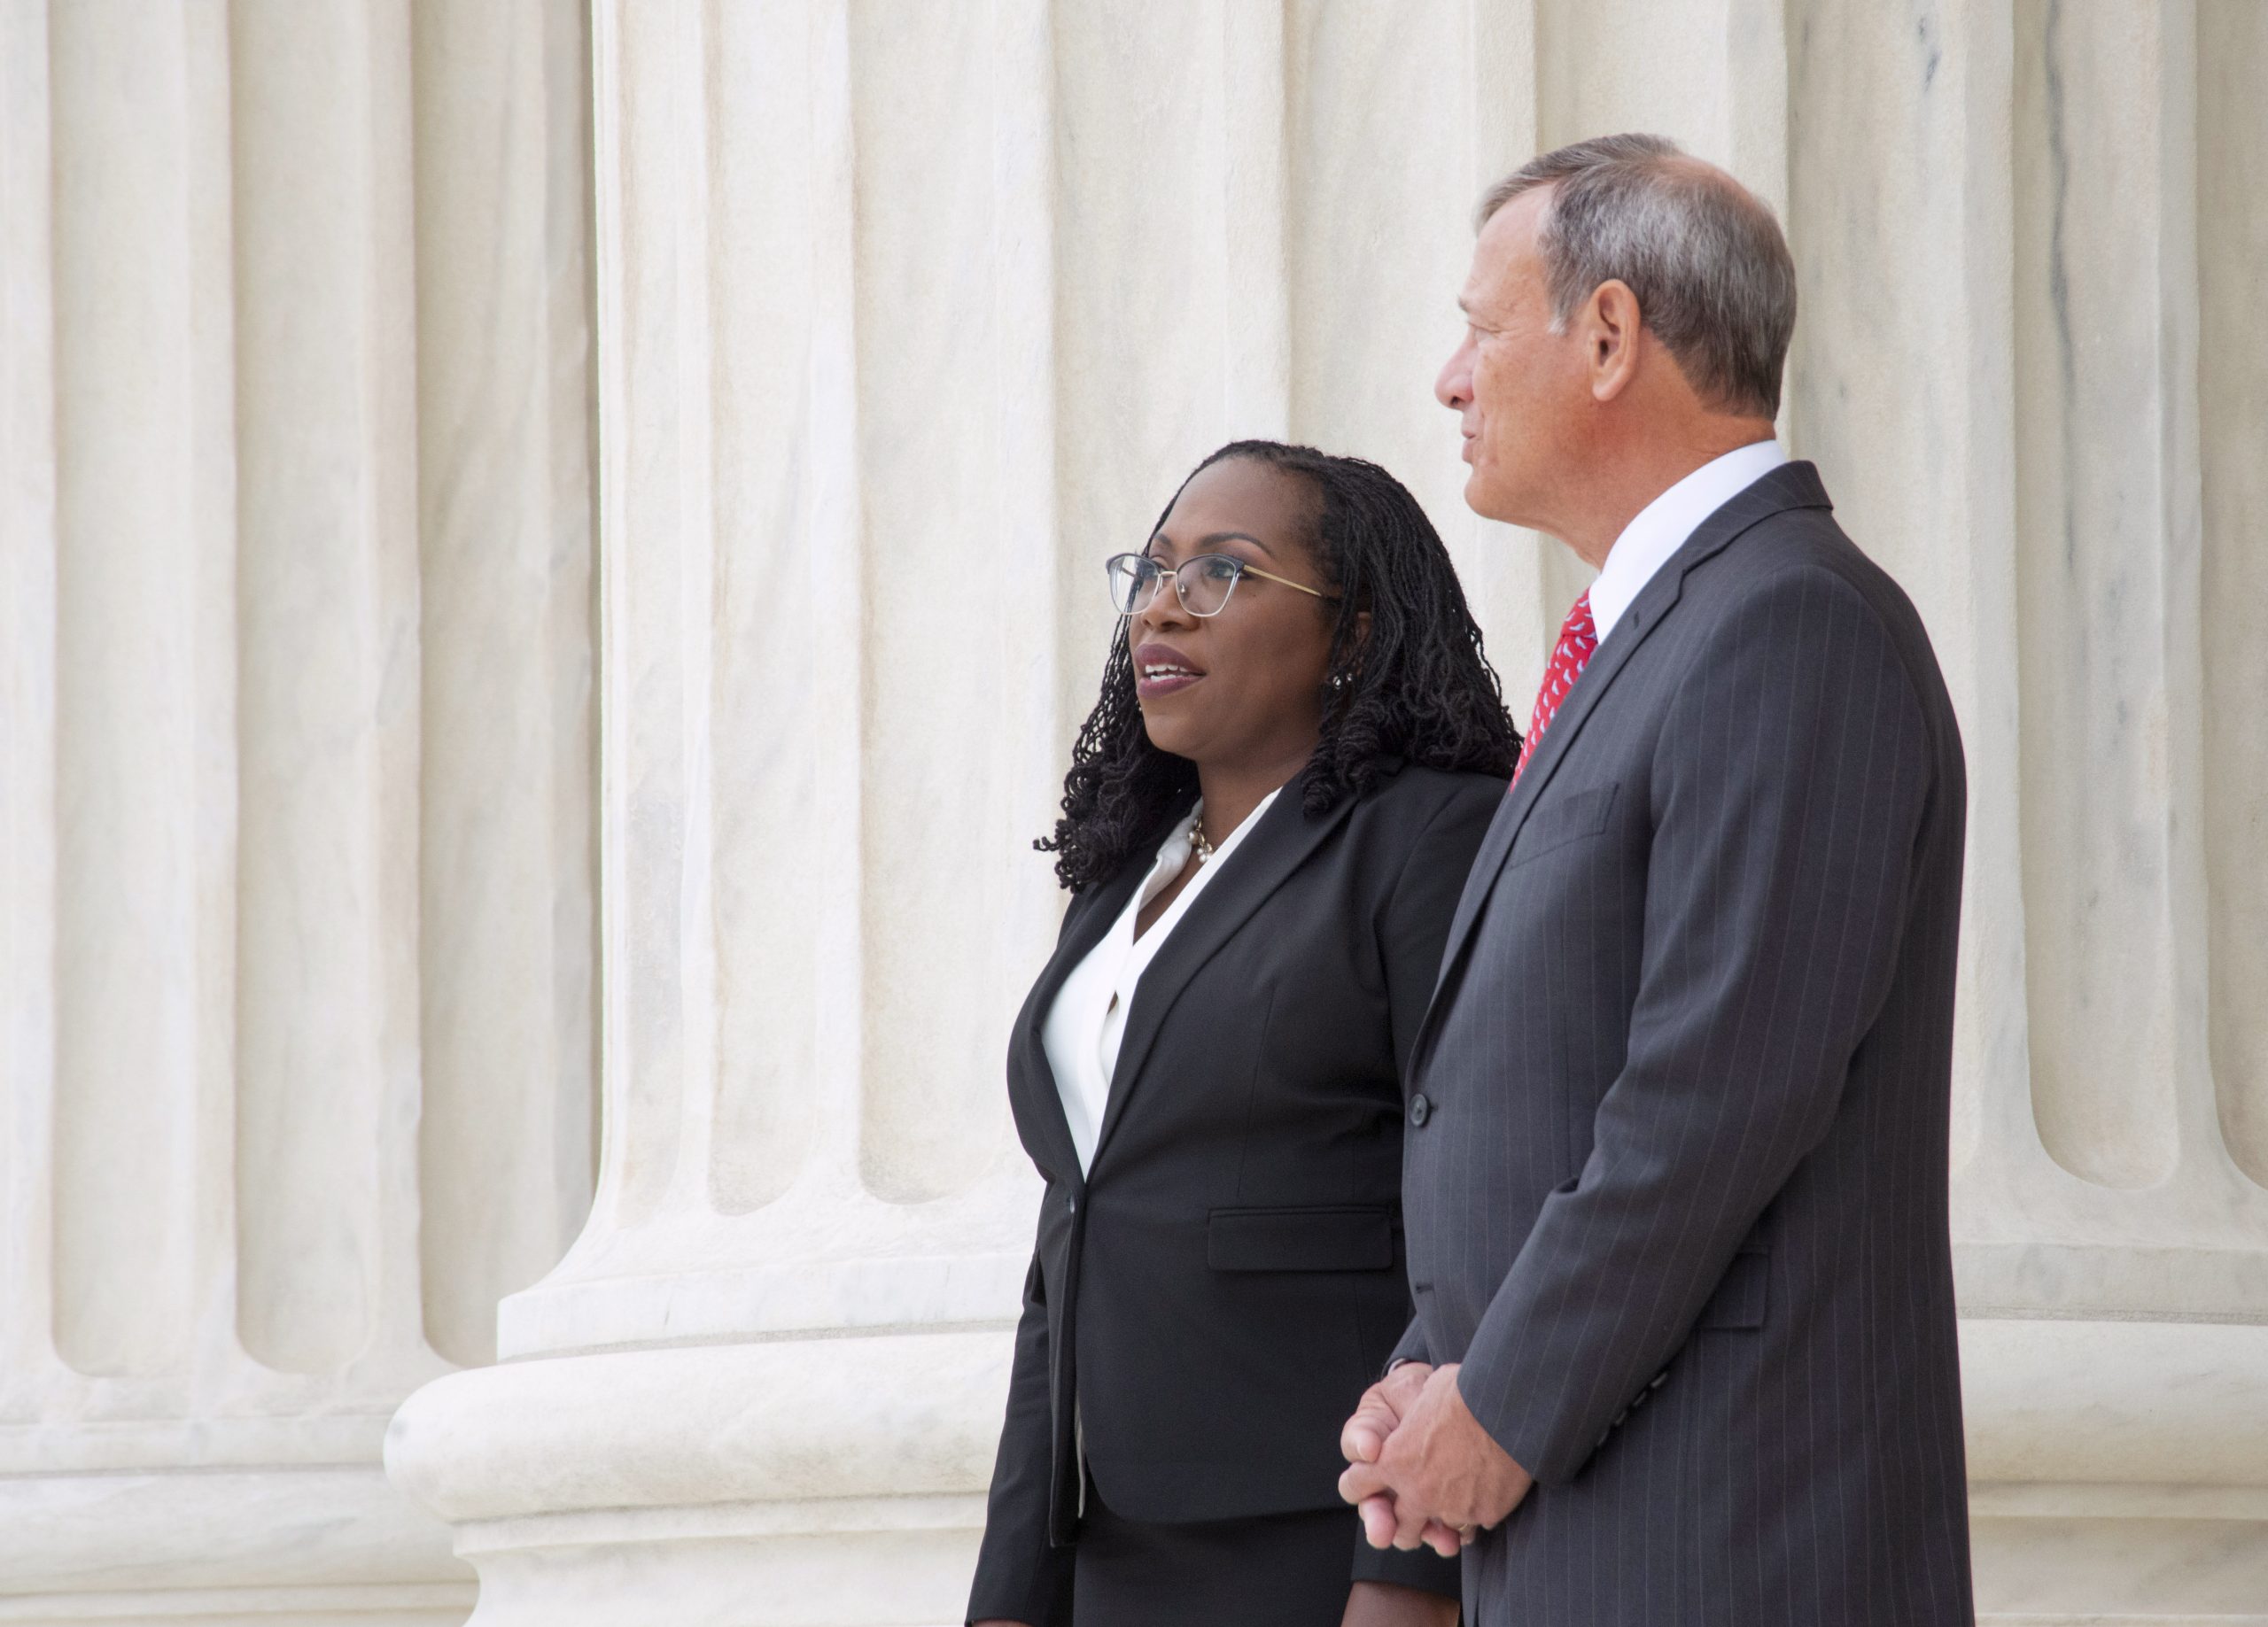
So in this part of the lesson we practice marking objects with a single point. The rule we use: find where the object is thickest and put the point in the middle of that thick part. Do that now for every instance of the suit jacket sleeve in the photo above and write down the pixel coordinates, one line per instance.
(1419, 1568)
(1020, 1577)
(1412, 1347)
(1788, 791)
(1416, 928)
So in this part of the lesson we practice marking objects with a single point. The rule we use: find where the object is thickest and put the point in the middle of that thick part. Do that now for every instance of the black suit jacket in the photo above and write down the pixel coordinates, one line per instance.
(1679, 1200)
(1218, 1288)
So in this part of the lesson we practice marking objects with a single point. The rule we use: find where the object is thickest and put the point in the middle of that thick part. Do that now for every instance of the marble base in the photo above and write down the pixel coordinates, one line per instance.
(2120, 1474)
(265, 1546)
(2055, 1554)
(438, 1605)
(804, 1481)
(878, 1563)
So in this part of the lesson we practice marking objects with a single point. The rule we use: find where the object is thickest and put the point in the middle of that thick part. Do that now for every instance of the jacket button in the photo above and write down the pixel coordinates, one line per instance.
(1420, 1109)
(1070, 1205)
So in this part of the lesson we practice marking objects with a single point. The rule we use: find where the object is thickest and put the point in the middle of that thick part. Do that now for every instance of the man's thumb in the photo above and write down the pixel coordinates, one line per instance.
(1364, 1437)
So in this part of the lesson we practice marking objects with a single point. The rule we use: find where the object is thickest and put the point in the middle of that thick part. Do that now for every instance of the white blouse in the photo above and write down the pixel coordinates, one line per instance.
(1087, 1023)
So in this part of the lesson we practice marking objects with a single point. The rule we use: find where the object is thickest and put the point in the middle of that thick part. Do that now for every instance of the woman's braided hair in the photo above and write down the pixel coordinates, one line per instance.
(1417, 688)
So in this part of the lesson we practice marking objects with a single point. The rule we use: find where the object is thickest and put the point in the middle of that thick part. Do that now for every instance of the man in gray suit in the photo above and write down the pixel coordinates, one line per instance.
(1675, 1177)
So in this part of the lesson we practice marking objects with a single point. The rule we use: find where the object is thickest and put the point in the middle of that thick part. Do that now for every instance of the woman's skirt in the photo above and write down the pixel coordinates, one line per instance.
(1268, 1571)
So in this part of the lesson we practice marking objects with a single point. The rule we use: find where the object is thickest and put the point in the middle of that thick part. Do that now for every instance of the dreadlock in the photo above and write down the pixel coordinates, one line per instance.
(1417, 688)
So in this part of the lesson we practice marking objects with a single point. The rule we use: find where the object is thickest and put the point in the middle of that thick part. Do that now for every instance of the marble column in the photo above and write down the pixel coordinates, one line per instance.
(294, 597)
(881, 294)
(2014, 224)
(764, 1384)
(306, 814)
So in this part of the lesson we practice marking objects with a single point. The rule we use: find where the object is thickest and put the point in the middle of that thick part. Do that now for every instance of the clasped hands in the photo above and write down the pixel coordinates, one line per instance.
(1420, 1468)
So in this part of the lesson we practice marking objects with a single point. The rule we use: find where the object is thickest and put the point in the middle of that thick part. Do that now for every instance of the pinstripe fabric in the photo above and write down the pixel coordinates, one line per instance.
(1679, 1207)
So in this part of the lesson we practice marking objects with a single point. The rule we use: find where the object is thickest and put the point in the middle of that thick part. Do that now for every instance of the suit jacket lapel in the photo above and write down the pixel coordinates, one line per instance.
(1265, 859)
(1791, 485)
(1030, 1074)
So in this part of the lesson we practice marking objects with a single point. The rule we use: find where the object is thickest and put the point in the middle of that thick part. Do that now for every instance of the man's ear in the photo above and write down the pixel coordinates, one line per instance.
(1610, 321)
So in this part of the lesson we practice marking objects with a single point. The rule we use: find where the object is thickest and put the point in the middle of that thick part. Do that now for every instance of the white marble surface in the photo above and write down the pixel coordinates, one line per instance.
(364, 667)
(295, 708)
(1051, 258)
(2233, 392)
(507, 693)
(137, 522)
(2092, 1174)
(2106, 549)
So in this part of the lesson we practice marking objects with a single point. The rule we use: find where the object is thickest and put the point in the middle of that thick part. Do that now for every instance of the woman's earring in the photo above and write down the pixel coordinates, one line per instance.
(1338, 682)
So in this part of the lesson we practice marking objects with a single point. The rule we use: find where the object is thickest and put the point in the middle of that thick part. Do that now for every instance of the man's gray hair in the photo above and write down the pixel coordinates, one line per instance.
(1711, 271)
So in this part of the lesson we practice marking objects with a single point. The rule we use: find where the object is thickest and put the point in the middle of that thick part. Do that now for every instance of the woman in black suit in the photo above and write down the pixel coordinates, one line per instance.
(1265, 830)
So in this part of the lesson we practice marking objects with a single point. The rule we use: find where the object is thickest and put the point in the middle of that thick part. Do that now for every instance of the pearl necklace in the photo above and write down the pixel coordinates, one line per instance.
(1198, 845)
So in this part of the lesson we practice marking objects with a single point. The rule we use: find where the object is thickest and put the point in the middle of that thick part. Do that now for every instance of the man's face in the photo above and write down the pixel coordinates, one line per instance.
(1518, 387)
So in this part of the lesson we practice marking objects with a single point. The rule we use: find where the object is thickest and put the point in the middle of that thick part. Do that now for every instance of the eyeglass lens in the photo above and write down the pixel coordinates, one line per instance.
(1205, 583)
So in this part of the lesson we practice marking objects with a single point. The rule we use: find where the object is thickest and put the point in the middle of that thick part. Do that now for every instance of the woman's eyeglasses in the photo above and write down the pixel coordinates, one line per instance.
(1203, 581)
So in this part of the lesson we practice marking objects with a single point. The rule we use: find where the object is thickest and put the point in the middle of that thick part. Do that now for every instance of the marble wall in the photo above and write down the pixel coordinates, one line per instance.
(372, 816)
(296, 834)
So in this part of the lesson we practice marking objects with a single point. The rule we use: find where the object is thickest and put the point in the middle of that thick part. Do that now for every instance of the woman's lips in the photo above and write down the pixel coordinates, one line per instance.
(1149, 688)
(1162, 670)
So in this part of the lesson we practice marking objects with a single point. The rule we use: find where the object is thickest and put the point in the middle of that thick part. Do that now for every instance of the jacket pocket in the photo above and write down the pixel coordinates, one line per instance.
(1571, 819)
(1340, 1238)
(1739, 1301)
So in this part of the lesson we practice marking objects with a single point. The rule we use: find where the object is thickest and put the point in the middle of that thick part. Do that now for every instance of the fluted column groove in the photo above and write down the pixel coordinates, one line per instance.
(128, 400)
(237, 847)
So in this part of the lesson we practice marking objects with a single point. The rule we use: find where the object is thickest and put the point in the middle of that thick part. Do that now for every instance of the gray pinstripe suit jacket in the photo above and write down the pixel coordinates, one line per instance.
(1676, 1192)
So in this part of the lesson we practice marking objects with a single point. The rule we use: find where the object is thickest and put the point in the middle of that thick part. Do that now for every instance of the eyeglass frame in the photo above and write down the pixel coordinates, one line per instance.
(1244, 568)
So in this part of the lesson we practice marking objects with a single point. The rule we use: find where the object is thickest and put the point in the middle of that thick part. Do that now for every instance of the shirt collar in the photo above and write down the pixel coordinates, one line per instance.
(1663, 526)
(1174, 852)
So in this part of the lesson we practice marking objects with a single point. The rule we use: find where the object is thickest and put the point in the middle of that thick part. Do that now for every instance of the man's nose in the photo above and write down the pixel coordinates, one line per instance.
(1452, 388)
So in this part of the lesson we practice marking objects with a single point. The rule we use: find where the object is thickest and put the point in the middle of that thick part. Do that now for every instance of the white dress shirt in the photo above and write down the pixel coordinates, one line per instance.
(1087, 1023)
(1663, 526)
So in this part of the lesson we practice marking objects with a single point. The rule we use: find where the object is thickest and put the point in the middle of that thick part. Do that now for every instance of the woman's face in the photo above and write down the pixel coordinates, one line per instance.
(1244, 687)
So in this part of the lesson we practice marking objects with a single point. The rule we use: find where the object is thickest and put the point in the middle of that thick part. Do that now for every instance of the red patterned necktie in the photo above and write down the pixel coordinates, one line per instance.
(1578, 638)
